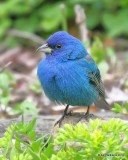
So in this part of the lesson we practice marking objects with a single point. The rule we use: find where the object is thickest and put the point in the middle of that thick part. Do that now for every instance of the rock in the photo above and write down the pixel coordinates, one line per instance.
(45, 124)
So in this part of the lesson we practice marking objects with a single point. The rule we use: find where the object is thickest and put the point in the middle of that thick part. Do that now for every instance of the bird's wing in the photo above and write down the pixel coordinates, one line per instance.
(95, 80)
(94, 76)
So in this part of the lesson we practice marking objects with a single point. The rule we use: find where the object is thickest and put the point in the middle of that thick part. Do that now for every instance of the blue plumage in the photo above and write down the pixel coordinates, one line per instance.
(68, 74)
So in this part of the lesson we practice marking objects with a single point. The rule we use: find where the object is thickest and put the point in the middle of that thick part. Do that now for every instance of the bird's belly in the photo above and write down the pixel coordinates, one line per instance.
(69, 87)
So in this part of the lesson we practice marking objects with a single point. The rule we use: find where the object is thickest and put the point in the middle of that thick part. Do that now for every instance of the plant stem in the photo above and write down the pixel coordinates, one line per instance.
(64, 20)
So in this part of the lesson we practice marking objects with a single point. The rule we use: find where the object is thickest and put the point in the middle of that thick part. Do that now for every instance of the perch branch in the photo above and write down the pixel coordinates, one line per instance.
(80, 21)
(5, 66)
(123, 79)
(26, 35)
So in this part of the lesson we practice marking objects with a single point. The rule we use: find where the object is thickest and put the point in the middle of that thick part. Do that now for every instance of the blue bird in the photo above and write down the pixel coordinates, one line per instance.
(68, 74)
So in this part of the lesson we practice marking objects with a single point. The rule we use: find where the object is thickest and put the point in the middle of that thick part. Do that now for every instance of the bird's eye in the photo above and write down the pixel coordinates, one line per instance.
(58, 46)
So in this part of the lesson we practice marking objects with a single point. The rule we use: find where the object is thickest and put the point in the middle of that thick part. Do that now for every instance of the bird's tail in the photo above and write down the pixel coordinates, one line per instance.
(102, 103)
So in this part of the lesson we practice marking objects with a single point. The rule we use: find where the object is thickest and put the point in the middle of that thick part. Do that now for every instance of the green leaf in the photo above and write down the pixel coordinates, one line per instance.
(103, 67)
(12, 153)
(34, 155)
(36, 145)
(31, 125)
(49, 23)
(4, 81)
(112, 56)
(49, 150)
(116, 24)
(5, 24)
(117, 108)
(18, 145)
(92, 20)
(31, 28)
(44, 157)
(126, 106)
(32, 135)
(25, 107)
(36, 87)
(7, 147)
(26, 128)
(5, 100)
(98, 50)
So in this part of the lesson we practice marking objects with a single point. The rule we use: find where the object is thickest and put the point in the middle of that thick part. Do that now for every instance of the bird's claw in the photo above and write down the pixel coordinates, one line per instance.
(59, 121)
(85, 116)
(62, 118)
(70, 113)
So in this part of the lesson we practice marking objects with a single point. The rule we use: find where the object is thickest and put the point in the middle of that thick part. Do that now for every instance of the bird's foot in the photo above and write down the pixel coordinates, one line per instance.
(70, 113)
(86, 116)
(59, 121)
(62, 118)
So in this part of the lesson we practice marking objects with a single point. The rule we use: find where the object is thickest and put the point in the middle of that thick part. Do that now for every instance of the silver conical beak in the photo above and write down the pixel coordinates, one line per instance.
(44, 48)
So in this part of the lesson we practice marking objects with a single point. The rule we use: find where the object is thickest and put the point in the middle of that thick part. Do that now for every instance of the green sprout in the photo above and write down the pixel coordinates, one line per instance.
(120, 109)
(82, 141)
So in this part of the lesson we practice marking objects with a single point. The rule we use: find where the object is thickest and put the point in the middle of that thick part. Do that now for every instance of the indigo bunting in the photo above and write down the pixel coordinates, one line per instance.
(68, 74)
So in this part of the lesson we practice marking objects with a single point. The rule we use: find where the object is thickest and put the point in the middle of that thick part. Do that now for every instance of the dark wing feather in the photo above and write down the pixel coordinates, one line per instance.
(94, 75)
(95, 80)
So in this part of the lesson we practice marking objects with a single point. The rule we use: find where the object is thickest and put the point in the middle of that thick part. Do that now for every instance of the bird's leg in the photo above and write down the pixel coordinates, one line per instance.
(87, 113)
(62, 117)
(65, 110)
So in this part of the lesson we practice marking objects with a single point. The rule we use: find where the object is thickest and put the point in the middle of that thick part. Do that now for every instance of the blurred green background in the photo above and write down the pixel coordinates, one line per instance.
(24, 26)
(43, 17)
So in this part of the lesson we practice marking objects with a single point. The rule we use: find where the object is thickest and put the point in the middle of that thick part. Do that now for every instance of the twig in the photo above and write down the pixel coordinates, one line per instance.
(123, 79)
(5, 66)
(64, 20)
(80, 21)
(26, 35)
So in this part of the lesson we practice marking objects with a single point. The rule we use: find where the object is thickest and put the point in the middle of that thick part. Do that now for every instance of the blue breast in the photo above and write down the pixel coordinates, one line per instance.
(67, 82)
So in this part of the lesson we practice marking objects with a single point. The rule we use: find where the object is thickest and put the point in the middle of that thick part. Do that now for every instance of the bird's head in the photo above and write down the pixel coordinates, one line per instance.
(62, 45)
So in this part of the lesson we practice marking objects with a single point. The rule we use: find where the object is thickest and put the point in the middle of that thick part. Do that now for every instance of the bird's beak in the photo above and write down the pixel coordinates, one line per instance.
(44, 48)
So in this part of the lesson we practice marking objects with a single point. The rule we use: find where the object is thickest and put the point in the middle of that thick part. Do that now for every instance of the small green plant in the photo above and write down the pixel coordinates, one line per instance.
(120, 109)
(100, 53)
(36, 87)
(104, 14)
(88, 141)
(24, 107)
(7, 84)
(21, 142)
(98, 50)
(7, 80)
(82, 141)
